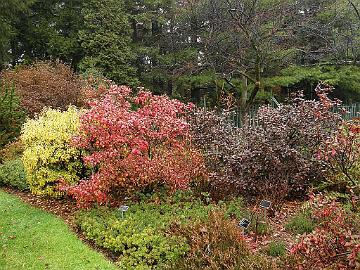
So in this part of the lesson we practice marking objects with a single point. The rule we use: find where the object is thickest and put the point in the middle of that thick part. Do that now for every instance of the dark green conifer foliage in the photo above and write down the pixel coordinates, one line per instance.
(106, 38)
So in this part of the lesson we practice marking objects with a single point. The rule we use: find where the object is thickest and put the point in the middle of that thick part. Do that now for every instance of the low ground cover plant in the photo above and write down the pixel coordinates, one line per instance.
(301, 223)
(276, 249)
(142, 237)
(138, 246)
(48, 155)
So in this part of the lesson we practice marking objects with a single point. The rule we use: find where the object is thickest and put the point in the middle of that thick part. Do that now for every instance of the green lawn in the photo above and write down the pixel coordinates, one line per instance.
(33, 239)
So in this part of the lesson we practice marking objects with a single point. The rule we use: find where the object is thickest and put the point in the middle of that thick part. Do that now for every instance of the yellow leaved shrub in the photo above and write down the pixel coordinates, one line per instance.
(48, 155)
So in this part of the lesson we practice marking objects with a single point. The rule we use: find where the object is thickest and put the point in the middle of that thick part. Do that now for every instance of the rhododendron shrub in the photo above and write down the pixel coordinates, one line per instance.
(135, 143)
(341, 155)
(275, 158)
(334, 244)
(48, 155)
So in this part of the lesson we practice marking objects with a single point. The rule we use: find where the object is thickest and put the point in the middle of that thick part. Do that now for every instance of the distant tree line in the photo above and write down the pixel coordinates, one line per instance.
(191, 49)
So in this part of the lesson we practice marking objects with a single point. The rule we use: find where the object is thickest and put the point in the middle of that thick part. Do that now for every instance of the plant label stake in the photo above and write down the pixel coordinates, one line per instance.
(265, 205)
(123, 208)
(244, 224)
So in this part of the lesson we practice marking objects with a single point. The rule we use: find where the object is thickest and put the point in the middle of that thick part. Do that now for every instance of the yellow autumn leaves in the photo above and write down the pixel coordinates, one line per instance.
(48, 154)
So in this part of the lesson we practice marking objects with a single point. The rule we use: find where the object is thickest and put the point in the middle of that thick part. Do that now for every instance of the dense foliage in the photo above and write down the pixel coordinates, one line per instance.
(139, 236)
(48, 155)
(125, 145)
(275, 157)
(12, 115)
(144, 237)
(333, 243)
(105, 38)
(44, 84)
(341, 155)
(139, 246)
(217, 243)
(344, 79)
(135, 143)
(301, 223)
(11, 11)
(190, 49)
(11, 151)
(12, 174)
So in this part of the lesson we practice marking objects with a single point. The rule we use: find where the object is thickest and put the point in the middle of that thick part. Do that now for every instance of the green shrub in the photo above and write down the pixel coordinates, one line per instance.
(234, 208)
(141, 238)
(261, 228)
(276, 249)
(11, 114)
(12, 174)
(48, 155)
(301, 223)
(137, 238)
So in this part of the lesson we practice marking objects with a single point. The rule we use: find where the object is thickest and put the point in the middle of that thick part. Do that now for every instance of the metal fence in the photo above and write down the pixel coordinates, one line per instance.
(352, 111)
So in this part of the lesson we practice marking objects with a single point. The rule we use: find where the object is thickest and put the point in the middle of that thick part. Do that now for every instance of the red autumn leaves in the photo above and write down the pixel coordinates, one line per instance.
(134, 142)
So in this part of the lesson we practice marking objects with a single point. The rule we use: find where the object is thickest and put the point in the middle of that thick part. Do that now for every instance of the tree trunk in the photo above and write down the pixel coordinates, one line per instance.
(243, 100)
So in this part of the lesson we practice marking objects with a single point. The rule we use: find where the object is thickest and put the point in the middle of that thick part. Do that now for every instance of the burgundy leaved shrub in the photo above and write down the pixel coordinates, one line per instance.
(275, 158)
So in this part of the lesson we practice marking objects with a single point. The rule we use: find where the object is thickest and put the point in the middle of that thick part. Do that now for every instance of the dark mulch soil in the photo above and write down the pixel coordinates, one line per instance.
(276, 225)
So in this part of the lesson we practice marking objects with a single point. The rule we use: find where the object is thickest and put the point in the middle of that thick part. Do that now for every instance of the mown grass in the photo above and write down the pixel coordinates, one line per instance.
(33, 239)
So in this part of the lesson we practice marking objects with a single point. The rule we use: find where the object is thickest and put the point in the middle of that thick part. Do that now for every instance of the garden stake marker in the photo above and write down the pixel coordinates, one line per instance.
(265, 205)
(244, 224)
(123, 208)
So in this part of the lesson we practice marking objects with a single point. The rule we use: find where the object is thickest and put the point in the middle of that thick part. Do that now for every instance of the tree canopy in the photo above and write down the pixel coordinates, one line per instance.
(185, 48)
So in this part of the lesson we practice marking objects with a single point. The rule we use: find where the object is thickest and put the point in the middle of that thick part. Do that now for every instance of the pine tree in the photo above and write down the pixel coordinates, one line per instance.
(106, 38)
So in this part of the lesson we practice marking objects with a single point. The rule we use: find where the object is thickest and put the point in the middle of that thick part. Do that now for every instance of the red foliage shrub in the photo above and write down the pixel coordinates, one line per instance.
(135, 143)
(45, 84)
(341, 155)
(94, 88)
(334, 242)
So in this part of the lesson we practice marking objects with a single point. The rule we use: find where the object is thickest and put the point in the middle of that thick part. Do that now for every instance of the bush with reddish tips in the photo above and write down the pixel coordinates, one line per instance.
(135, 143)
(334, 242)
(217, 243)
(341, 156)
